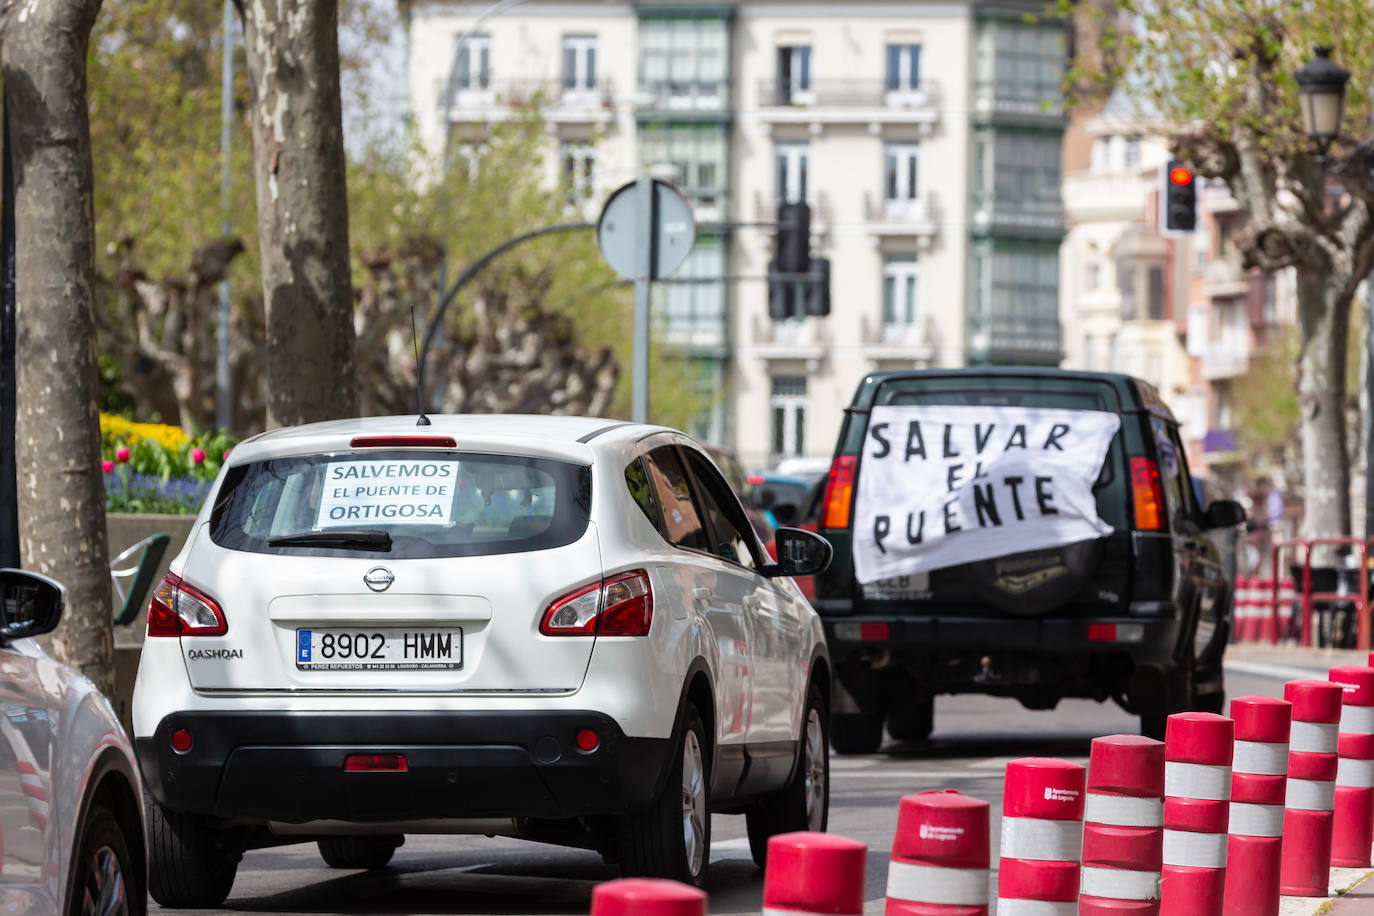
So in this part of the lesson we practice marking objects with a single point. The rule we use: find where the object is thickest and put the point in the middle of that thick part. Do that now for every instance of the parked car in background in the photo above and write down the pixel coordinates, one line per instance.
(556, 628)
(71, 804)
(777, 496)
(1139, 611)
(730, 466)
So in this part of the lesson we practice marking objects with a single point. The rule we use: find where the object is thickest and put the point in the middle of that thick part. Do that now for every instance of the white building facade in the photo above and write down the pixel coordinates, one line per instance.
(925, 136)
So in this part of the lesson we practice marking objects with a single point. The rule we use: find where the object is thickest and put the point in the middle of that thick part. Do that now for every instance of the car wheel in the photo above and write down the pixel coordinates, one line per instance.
(913, 719)
(189, 865)
(359, 851)
(804, 803)
(105, 882)
(1180, 695)
(673, 838)
(856, 733)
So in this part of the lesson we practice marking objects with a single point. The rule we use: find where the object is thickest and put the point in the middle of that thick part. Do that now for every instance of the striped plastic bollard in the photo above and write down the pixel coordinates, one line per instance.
(1312, 766)
(1245, 609)
(814, 874)
(1352, 823)
(1123, 822)
(1258, 776)
(1197, 792)
(647, 897)
(940, 857)
(1042, 838)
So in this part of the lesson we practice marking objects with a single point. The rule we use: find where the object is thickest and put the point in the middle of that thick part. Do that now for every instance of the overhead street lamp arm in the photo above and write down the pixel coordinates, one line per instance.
(472, 270)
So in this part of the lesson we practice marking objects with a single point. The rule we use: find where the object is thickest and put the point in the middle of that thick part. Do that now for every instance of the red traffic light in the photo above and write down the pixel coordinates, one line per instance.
(1181, 176)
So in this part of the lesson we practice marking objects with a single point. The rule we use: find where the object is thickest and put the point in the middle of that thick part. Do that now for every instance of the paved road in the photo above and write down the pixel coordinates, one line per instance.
(974, 738)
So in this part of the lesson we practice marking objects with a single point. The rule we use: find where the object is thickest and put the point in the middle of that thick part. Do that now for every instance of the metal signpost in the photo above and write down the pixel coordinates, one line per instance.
(645, 233)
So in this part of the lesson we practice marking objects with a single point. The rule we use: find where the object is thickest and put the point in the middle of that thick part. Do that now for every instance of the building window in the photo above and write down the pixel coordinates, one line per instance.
(899, 291)
(697, 152)
(1094, 276)
(579, 172)
(1020, 66)
(1131, 153)
(791, 180)
(473, 68)
(1023, 182)
(579, 63)
(899, 181)
(789, 414)
(692, 300)
(1015, 309)
(1125, 280)
(683, 59)
(793, 86)
(903, 67)
(1155, 293)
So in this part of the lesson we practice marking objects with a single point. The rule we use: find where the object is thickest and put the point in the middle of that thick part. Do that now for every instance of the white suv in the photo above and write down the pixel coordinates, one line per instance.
(556, 628)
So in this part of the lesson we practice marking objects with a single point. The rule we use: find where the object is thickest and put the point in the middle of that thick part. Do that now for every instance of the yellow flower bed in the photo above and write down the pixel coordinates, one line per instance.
(116, 428)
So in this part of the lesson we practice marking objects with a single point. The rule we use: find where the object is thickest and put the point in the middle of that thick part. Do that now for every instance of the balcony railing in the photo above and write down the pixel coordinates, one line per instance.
(488, 99)
(775, 92)
(897, 339)
(822, 216)
(792, 338)
(1006, 339)
(1224, 277)
(918, 216)
(1224, 361)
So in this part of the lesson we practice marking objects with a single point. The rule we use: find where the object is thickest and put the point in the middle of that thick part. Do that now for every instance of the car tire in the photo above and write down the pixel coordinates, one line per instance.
(913, 719)
(804, 803)
(1180, 695)
(189, 864)
(359, 851)
(856, 733)
(105, 880)
(672, 839)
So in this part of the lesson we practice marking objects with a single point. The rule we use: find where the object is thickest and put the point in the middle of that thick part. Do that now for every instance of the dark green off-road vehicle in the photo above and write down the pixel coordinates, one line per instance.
(1140, 616)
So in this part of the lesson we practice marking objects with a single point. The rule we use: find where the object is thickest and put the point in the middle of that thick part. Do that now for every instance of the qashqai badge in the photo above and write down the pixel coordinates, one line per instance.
(378, 578)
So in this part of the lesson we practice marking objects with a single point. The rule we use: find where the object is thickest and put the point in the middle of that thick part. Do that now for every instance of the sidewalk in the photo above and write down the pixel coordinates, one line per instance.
(1352, 892)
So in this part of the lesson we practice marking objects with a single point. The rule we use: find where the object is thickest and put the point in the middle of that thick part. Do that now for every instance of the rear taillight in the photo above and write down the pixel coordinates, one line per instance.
(1149, 499)
(839, 492)
(622, 605)
(178, 608)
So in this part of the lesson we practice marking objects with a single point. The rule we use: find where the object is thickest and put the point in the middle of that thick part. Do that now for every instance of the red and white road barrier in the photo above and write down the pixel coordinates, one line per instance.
(1258, 778)
(814, 874)
(940, 856)
(1352, 824)
(647, 897)
(1311, 791)
(1123, 827)
(1042, 838)
(1197, 794)
(1252, 604)
(35, 791)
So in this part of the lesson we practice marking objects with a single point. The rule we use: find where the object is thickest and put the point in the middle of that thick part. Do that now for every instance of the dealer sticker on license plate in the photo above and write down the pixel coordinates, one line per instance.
(379, 649)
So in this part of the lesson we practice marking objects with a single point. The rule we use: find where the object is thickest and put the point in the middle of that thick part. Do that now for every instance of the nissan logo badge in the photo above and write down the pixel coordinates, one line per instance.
(378, 578)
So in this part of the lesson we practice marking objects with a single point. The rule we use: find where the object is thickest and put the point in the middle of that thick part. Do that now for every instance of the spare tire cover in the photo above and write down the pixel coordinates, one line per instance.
(1031, 583)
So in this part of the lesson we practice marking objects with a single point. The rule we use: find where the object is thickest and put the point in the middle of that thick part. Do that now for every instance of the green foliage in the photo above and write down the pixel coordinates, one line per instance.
(1266, 401)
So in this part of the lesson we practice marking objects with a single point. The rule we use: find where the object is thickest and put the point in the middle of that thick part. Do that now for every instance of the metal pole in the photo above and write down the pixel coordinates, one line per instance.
(9, 471)
(224, 382)
(648, 222)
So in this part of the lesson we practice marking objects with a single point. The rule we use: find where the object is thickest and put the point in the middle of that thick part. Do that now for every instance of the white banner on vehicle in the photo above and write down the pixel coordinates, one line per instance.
(359, 493)
(941, 486)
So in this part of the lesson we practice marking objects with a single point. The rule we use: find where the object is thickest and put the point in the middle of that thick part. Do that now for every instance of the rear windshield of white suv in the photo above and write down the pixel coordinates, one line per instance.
(402, 504)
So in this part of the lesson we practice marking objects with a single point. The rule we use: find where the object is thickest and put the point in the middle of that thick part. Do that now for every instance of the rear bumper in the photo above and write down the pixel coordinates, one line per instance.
(290, 766)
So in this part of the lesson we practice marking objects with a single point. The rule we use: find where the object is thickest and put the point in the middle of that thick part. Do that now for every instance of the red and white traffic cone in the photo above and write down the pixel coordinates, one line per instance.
(1258, 775)
(1352, 823)
(940, 856)
(1197, 793)
(1123, 827)
(1042, 838)
(647, 897)
(1311, 791)
(814, 874)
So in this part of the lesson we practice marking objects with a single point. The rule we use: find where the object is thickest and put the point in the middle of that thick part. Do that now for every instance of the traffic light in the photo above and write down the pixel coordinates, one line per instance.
(780, 293)
(818, 288)
(793, 255)
(1177, 199)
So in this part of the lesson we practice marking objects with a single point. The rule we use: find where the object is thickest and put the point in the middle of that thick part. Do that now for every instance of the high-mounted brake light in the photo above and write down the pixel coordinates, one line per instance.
(839, 492)
(622, 605)
(376, 763)
(1149, 499)
(178, 608)
(403, 442)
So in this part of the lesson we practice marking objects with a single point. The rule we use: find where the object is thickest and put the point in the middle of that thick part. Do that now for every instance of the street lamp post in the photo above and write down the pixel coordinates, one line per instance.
(1321, 101)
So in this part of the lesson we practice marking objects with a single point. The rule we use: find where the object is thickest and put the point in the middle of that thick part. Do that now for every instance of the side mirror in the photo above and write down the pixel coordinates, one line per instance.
(30, 604)
(785, 513)
(800, 553)
(1224, 513)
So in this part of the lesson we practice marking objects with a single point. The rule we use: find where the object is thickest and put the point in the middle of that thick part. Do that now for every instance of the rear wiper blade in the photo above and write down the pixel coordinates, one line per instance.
(369, 538)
